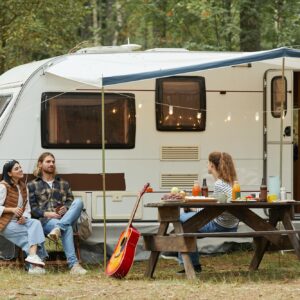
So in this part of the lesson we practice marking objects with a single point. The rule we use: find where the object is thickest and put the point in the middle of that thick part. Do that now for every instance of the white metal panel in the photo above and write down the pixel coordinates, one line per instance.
(119, 205)
(273, 134)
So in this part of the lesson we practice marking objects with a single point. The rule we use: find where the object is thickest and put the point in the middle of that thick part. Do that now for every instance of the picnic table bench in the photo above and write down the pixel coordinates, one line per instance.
(184, 236)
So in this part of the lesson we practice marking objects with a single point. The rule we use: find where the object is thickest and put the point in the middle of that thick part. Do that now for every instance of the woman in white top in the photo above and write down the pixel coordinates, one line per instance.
(16, 224)
(221, 167)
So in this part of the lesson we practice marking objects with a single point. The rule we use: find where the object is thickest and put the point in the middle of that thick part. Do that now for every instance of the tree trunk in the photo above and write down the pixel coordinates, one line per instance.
(95, 23)
(249, 25)
(119, 23)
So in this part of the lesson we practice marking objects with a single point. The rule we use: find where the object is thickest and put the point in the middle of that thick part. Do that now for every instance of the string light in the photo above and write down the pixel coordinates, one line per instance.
(198, 115)
(140, 105)
(257, 116)
(229, 117)
(171, 110)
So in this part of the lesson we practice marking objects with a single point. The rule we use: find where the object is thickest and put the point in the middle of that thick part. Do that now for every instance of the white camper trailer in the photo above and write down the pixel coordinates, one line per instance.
(165, 111)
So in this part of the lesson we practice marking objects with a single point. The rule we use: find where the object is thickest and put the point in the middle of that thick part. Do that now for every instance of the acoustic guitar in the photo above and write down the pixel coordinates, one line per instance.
(123, 255)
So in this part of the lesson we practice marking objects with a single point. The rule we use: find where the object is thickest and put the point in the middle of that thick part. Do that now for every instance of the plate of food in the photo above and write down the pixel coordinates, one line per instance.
(199, 199)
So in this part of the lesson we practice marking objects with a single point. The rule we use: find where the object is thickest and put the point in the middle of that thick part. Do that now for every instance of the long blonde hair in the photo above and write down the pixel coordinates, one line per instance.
(224, 165)
(37, 171)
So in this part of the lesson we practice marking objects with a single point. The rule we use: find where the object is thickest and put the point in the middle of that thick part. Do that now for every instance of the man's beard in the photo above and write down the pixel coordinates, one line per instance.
(49, 172)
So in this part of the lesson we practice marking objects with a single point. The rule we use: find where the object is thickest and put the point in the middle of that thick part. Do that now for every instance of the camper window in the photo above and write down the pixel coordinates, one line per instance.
(277, 95)
(4, 101)
(73, 120)
(180, 104)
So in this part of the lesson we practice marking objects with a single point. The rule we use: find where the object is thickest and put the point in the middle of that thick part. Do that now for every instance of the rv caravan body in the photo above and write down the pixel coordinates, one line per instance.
(160, 127)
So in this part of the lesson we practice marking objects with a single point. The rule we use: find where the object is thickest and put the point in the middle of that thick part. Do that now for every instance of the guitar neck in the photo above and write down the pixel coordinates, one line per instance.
(141, 193)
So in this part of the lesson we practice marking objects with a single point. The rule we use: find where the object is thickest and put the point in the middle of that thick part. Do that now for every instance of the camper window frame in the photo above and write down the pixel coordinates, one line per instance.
(8, 100)
(275, 113)
(159, 103)
(44, 120)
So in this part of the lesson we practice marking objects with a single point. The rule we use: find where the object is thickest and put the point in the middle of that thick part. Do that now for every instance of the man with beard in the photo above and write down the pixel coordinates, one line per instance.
(52, 202)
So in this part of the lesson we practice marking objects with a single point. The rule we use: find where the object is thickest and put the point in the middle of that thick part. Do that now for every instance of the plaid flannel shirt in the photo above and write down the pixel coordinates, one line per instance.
(43, 198)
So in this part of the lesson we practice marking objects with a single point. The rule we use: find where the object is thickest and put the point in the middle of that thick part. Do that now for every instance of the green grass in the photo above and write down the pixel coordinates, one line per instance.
(224, 276)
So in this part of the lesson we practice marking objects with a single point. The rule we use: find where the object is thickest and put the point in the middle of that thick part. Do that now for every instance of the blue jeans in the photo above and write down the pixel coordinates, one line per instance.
(65, 224)
(212, 226)
(26, 235)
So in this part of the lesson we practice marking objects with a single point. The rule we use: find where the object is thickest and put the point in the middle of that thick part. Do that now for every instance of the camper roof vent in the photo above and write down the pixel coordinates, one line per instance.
(110, 49)
(179, 153)
(167, 50)
(183, 181)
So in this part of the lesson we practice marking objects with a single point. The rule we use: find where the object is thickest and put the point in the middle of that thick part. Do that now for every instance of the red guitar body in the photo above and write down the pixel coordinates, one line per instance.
(123, 255)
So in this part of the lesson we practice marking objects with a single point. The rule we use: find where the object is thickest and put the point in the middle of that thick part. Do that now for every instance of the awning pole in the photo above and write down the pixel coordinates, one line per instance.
(281, 120)
(103, 174)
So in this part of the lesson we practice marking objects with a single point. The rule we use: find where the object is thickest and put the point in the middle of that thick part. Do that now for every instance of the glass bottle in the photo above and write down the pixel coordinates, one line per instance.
(282, 193)
(236, 190)
(204, 189)
(196, 188)
(263, 191)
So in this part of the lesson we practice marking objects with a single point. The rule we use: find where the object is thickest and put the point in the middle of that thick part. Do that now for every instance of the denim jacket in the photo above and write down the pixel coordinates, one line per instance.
(43, 198)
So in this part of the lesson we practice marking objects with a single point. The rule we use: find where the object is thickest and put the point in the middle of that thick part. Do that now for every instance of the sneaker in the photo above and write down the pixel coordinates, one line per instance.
(169, 255)
(35, 270)
(35, 260)
(197, 269)
(54, 234)
(77, 269)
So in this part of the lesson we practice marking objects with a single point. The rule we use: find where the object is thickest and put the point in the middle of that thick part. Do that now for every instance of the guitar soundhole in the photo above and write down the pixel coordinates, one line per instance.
(122, 246)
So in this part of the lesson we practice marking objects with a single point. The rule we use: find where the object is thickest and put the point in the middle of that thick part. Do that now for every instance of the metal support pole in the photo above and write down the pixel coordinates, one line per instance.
(103, 174)
(281, 120)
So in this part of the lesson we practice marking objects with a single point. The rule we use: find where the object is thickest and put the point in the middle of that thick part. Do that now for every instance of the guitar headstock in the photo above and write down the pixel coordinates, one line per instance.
(143, 191)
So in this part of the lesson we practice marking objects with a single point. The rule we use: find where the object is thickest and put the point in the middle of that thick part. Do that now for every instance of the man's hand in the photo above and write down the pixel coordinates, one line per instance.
(62, 210)
(51, 215)
(21, 220)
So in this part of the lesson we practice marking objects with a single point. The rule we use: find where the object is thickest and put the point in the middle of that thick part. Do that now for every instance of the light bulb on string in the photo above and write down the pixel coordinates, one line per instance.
(198, 115)
(257, 116)
(170, 110)
(228, 118)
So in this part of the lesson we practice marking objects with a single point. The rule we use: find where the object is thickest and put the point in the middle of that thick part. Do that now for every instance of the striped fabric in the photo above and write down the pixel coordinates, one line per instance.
(226, 219)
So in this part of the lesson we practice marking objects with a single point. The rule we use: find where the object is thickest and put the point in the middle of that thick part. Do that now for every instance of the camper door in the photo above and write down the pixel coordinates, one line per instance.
(274, 93)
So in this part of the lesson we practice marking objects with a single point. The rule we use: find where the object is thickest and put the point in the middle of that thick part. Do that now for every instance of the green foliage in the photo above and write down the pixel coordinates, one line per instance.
(37, 29)
(32, 30)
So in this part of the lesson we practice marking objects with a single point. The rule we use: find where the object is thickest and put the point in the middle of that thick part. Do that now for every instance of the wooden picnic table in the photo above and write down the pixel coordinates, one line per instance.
(184, 236)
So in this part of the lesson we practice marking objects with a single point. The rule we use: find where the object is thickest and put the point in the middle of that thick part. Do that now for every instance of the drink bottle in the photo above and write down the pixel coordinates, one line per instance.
(196, 188)
(282, 193)
(204, 189)
(236, 190)
(263, 191)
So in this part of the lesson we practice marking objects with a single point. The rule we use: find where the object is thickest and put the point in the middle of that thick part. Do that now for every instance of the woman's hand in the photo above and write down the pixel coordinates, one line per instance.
(17, 211)
(21, 220)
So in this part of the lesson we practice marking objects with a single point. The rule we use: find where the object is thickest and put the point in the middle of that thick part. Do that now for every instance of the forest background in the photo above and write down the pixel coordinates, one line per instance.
(37, 29)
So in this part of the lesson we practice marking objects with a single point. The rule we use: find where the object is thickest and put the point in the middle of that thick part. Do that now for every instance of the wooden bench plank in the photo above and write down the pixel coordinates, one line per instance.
(237, 234)
(169, 243)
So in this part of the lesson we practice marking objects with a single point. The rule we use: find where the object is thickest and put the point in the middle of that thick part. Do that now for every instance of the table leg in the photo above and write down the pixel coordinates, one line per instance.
(152, 262)
(189, 269)
(293, 237)
(261, 243)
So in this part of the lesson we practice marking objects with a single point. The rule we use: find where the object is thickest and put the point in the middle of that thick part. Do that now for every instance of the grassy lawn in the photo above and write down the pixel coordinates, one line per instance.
(223, 276)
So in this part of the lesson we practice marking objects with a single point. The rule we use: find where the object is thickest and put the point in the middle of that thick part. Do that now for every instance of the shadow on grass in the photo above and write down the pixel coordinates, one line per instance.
(228, 268)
